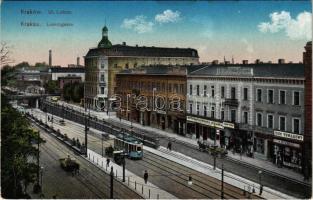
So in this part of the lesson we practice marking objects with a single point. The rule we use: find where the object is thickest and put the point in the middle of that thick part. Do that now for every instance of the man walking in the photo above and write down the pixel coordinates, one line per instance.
(108, 162)
(145, 176)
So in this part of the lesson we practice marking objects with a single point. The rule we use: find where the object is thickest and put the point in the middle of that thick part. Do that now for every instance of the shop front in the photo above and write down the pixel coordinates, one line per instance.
(286, 151)
(204, 129)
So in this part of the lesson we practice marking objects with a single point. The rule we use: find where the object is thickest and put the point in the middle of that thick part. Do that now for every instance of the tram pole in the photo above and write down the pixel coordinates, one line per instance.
(222, 189)
(111, 182)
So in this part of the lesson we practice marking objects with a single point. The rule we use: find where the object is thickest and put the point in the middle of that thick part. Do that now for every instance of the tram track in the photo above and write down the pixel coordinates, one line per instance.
(87, 177)
(198, 177)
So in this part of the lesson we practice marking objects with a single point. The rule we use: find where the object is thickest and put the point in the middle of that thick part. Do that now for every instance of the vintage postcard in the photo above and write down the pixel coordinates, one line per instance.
(156, 99)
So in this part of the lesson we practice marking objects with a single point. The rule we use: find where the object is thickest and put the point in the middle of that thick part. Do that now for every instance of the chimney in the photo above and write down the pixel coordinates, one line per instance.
(244, 62)
(50, 58)
(281, 61)
(257, 61)
(124, 43)
(215, 62)
(77, 61)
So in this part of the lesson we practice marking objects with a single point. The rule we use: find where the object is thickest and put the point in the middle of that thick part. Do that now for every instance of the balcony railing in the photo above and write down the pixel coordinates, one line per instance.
(231, 102)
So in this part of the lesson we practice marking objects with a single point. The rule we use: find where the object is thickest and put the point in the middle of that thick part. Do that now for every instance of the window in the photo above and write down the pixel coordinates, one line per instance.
(233, 115)
(204, 111)
(190, 89)
(296, 98)
(233, 93)
(190, 108)
(222, 92)
(245, 94)
(198, 109)
(212, 91)
(126, 66)
(270, 121)
(213, 112)
(198, 90)
(222, 115)
(282, 123)
(102, 65)
(282, 97)
(102, 90)
(259, 95)
(204, 90)
(259, 119)
(270, 96)
(296, 125)
(245, 117)
(102, 78)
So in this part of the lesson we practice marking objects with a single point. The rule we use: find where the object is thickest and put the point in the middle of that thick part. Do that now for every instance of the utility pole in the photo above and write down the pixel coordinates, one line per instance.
(222, 189)
(214, 153)
(111, 181)
(86, 130)
(124, 157)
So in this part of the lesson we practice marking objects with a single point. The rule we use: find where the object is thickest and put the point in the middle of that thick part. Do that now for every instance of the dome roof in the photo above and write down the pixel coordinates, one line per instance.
(105, 28)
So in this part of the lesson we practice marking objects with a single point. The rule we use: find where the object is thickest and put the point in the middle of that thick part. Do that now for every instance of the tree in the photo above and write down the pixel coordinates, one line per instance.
(17, 167)
(51, 87)
(73, 92)
(5, 53)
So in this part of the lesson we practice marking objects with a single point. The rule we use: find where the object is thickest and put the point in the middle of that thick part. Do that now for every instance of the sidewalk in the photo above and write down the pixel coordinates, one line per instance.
(136, 183)
(269, 166)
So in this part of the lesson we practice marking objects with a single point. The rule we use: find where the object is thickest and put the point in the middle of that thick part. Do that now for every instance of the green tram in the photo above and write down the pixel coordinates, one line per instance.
(132, 147)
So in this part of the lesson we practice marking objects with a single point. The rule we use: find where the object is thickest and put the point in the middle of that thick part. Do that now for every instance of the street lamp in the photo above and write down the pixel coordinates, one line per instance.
(261, 186)
(41, 174)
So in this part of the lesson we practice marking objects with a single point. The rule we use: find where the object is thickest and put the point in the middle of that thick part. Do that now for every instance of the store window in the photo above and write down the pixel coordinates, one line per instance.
(259, 145)
(270, 121)
(282, 123)
(296, 125)
(296, 98)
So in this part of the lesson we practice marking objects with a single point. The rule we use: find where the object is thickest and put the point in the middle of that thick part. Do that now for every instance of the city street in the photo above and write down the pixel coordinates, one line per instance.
(165, 174)
(90, 183)
(286, 185)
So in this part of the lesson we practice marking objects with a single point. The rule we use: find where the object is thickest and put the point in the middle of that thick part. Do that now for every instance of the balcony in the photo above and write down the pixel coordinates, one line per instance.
(231, 102)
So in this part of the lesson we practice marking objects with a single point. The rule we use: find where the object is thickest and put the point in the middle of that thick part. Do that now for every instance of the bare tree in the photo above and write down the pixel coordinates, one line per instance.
(6, 54)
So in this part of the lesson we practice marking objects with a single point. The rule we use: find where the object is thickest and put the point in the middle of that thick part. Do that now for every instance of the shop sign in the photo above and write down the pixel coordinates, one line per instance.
(291, 165)
(288, 135)
(286, 143)
(228, 125)
(161, 112)
(205, 122)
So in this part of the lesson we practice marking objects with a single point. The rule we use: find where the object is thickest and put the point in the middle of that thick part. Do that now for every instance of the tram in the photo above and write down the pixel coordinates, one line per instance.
(132, 147)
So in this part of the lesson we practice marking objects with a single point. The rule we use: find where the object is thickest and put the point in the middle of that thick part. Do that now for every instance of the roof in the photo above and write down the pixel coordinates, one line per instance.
(253, 70)
(125, 50)
(67, 70)
(162, 70)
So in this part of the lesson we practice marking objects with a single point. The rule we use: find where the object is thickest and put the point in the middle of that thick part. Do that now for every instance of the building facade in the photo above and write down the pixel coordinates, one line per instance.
(257, 109)
(105, 61)
(58, 72)
(153, 96)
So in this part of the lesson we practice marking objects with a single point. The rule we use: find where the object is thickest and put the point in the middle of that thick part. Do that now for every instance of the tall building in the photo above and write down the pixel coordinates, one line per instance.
(307, 60)
(102, 64)
(50, 58)
(256, 109)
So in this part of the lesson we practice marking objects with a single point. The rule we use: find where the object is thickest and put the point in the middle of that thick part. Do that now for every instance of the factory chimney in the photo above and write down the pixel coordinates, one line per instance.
(77, 61)
(50, 58)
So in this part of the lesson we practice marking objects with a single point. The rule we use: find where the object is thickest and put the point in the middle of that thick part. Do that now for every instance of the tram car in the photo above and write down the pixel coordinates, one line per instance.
(132, 147)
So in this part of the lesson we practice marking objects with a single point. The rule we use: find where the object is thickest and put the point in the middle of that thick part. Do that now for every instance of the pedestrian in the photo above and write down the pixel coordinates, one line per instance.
(169, 145)
(145, 176)
(108, 162)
